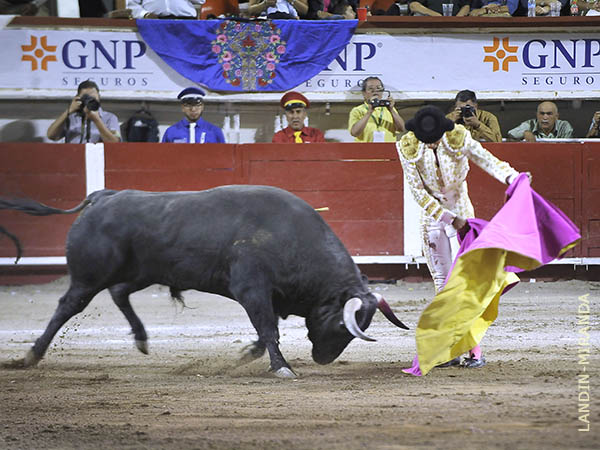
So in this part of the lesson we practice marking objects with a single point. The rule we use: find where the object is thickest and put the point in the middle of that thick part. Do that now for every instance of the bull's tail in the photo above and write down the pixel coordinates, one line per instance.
(15, 241)
(34, 208)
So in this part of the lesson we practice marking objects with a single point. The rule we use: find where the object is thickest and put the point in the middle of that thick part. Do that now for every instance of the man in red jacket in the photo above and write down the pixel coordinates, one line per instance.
(295, 106)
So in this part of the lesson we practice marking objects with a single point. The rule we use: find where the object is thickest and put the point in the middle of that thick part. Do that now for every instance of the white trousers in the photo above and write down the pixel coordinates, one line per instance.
(440, 247)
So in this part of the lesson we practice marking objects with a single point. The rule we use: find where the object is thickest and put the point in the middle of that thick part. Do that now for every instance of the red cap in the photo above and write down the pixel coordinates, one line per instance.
(294, 100)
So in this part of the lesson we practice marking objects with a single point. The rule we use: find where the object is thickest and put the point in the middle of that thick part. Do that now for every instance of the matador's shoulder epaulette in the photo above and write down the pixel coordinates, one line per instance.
(456, 137)
(409, 146)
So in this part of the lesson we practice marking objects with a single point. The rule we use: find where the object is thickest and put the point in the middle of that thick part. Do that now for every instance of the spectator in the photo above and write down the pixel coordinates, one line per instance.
(483, 125)
(594, 132)
(492, 8)
(85, 120)
(21, 7)
(193, 129)
(542, 7)
(376, 120)
(165, 9)
(343, 8)
(330, 9)
(546, 125)
(92, 8)
(586, 6)
(434, 7)
(400, 8)
(278, 9)
(295, 106)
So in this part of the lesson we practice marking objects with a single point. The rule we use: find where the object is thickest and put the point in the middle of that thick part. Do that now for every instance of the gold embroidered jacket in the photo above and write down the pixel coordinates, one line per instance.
(439, 184)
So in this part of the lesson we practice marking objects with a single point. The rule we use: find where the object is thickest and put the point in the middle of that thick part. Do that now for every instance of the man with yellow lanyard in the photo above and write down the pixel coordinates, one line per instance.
(295, 105)
(376, 120)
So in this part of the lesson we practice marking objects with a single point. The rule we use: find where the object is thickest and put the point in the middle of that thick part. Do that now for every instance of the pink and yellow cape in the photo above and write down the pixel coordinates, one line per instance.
(526, 233)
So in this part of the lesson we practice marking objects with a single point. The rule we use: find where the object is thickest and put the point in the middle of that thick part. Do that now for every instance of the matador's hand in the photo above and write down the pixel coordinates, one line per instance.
(459, 223)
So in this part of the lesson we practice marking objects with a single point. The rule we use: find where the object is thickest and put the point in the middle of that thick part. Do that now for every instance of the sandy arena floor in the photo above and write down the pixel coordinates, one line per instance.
(95, 390)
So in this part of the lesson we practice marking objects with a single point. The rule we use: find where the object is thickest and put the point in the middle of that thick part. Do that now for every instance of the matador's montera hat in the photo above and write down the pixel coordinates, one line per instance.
(429, 124)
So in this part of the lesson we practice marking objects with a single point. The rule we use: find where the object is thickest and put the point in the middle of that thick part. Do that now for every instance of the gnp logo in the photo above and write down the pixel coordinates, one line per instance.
(500, 55)
(110, 62)
(40, 56)
(79, 54)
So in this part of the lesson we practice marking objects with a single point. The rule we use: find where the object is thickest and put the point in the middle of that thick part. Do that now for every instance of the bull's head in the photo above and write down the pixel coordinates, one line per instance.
(331, 330)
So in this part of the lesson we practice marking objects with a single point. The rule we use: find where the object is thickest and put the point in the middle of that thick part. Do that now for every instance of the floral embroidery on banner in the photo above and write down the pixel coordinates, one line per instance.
(248, 52)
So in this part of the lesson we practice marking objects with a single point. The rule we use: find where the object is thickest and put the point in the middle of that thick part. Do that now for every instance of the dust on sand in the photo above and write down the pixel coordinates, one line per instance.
(95, 390)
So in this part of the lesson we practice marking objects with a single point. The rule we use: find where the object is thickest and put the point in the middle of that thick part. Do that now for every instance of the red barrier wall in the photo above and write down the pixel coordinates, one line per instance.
(171, 167)
(361, 184)
(590, 201)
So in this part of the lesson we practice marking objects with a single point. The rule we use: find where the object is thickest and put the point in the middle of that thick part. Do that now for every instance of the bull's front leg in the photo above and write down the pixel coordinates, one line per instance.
(253, 293)
(265, 323)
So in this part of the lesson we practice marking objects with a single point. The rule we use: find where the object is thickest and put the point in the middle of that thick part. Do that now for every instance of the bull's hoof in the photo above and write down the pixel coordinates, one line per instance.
(31, 359)
(142, 346)
(284, 372)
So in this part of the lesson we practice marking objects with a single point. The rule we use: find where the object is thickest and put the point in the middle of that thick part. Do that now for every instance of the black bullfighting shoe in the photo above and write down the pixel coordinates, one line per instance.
(452, 363)
(473, 363)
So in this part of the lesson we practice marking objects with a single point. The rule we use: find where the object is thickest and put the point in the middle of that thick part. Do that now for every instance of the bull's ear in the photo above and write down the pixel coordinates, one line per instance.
(364, 279)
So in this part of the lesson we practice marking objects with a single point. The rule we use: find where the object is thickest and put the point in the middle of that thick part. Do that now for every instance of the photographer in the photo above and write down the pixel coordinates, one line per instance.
(376, 120)
(84, 120)
(483, 125)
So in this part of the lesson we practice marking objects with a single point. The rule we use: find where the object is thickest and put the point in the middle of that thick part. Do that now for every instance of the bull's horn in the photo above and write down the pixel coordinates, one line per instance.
(387, 311)
(350, 308)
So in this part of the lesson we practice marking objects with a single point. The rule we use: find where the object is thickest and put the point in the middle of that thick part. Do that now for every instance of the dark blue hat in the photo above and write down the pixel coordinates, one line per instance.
(191, 93)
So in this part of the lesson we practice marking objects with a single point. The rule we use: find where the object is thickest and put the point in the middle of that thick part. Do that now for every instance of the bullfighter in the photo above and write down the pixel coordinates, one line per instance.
(435, 156)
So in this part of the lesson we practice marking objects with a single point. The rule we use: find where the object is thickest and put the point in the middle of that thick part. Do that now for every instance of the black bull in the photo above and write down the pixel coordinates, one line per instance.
(261, 246)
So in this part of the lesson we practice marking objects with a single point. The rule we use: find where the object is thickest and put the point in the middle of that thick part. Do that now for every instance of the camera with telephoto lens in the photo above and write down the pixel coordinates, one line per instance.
(89, 102)
(379, 103)
(467, 111)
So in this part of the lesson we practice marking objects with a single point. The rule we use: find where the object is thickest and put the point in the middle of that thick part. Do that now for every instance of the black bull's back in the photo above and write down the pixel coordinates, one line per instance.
(189, 240)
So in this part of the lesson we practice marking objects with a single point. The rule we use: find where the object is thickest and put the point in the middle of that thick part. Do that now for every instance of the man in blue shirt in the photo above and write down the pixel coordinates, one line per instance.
(193, 129)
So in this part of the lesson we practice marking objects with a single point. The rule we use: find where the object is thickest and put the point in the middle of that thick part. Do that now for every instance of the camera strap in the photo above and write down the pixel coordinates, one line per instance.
(380, 121)
(88, 130)
(82, 131)
(84, 135)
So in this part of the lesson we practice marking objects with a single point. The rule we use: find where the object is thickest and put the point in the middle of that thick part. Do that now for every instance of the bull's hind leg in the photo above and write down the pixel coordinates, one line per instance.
(252, 290)
(73, 302)
(120, 295)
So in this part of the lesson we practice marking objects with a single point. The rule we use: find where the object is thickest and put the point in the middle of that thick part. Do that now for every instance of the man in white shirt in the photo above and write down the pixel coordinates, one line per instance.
(278, 9)
(165, 9)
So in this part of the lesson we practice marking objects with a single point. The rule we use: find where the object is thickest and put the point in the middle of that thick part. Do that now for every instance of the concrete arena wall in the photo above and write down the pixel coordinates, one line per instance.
(361, 184)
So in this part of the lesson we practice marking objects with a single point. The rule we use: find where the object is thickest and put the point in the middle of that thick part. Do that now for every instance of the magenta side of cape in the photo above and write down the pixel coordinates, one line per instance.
(529, 225)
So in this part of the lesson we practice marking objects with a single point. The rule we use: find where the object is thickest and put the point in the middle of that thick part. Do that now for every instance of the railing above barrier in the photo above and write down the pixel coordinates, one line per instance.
(399, 23)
